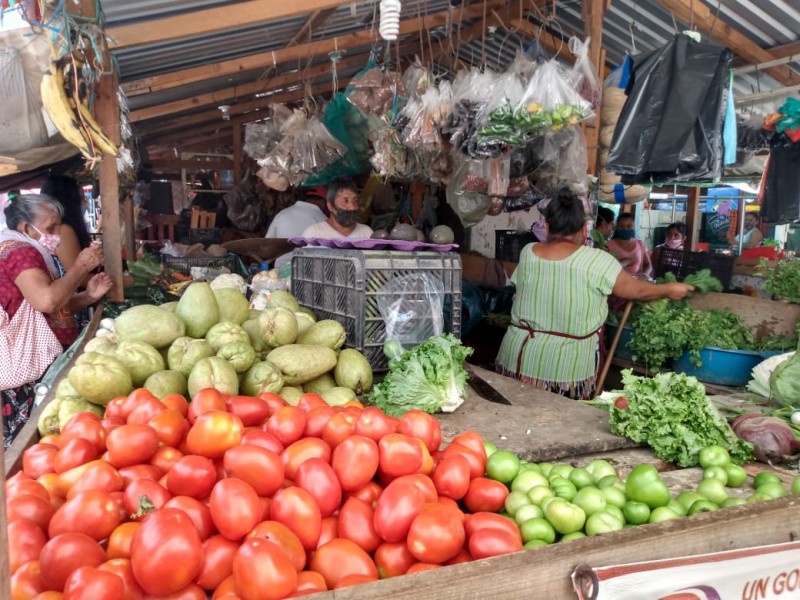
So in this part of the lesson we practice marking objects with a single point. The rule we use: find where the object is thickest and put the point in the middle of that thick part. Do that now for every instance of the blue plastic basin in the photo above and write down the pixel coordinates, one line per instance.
(623, 351)
(731, 368)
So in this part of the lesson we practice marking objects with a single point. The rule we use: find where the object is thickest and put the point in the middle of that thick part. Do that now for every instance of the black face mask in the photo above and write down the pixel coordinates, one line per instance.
(346, 218)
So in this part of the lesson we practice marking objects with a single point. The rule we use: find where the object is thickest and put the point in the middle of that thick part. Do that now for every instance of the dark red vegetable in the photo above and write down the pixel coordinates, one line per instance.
(772, 438)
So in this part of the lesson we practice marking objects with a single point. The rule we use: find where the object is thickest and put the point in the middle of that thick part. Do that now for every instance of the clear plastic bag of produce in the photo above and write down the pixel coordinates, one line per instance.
(261, 138)
(426, 116)
(373, 90)
(22, 126)
(412, 309)
(551, 101)
(470, 203)
(498, 117)
(472, 95)
(584, 77)
(497, 175)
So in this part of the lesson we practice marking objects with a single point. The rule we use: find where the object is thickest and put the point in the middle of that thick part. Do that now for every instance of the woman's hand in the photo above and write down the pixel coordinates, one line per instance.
(98, 286)
(676, 291)
(90, 258)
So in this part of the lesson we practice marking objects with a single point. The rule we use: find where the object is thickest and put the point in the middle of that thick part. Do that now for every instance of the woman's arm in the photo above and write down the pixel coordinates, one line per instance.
(755, 239)
(631, 288)
(96, 288)
(68, 249)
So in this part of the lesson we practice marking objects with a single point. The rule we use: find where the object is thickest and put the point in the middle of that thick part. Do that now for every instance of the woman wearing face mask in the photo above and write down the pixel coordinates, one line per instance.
(675, 239)
(752, 234)
(603, 228)
(343, 220)
(631, 253)
(37, 299)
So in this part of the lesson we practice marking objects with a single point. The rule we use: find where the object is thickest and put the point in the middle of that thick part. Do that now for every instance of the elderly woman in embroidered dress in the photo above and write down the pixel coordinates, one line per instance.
(31, 287)
(560, 305)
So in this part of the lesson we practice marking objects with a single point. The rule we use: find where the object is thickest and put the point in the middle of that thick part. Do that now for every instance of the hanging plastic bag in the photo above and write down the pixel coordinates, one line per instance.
(470, 205)
(620, 76)
(551, 101)
(584, 77)
(22, 125)
(791, 116)
(729, 128)
(412, 309)
(781, 183)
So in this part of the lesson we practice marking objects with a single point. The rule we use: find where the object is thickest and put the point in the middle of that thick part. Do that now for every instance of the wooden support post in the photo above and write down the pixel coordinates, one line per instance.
(237, 152)
(129, 229)
(693, 218)
(107, 107)
(417, 199)
(5, 569)
(593, 12)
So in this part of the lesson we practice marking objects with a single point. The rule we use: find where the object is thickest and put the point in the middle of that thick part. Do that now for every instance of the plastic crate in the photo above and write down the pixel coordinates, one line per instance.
(344, 285)
(186, 235)
(508, 243)
(684, 263)
(184, 264)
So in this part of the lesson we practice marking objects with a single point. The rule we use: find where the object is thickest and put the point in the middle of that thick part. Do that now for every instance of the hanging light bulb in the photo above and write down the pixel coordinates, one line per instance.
(226, 112)
(390, 19)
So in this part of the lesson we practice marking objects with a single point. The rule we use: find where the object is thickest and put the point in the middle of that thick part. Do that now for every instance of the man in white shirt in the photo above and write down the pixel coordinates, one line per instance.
(293, 220)
(342, 222)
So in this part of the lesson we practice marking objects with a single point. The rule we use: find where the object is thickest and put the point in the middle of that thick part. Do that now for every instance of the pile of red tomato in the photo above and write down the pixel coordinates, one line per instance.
(245, 498)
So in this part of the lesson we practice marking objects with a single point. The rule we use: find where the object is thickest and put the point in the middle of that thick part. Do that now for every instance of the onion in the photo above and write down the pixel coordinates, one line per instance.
(772, 438)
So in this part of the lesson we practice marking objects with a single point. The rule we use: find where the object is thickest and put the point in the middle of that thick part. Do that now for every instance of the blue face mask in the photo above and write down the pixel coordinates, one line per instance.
(624, 234)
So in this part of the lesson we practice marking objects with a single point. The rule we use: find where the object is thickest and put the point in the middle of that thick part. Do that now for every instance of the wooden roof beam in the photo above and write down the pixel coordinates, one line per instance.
(209, 128)
(705, 21)
(212, 20)
(300, 52)
(314, 21)
(785, 50)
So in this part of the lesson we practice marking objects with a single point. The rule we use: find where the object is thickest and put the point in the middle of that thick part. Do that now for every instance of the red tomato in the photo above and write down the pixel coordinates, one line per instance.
(131, 444)
(197, 511)
(111, 423)
(397, 507)
(262, 571)
(144, 412)
(165, 457)
(369, 493)
(25, 542)
(425, 485)
(49, 483)
(235, 507)
(355, 461)
(251, 411)
(26, 581)
(90, 583)
(351, 580)
(486, 520)
(30, 508)
(421, 567)
(226, 588)
(135, 472)
(176, 402)
(74, 453)
(39, 460)
(356, 524)
(94, 513)
(451, 477)
(261, 468)
(309, 582)
(462, 557)
(24, 487)
(144, 496)
(477, 464)
(213, 433)
(339, 558)
(338, 428)
(170, 427)
(393, 559)
(473, 441)
(190, 592)
(218, 554)
(297, 509)
(121, 567)
(423, 426)
(399, 455)
(206, 400)
(166, 553)
(492, 542)
(316, 420)
(373, 424)
(309, 401)
(119, 542)
(99, 475)
(274, 401)
(301, 451)
(192, 476)
(287, 424)
(65, 553)
(330, 529)
(436, 536)
(485, 495)
(318, 478)
(87, 429)
(283, 537)
(116, 407)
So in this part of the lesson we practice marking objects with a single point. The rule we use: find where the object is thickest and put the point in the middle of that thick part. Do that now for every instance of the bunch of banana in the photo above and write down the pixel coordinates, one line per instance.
(64, 98)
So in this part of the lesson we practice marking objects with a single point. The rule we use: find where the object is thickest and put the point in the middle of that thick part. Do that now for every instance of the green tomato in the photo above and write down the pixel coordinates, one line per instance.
(736, 475)
(663, 513)
(489, 447)
(564, 488)
(516, 500)
(677, 507)
(733, 502)
(636, 513)
(716, 473)
(535, 544)
(600, 468)
(603, 522)
(502, 466)
(581, 478)
(702, 506)
(560, 471)
(617, 512)
(609, 481)
(565, 517)
(537, 529)
(540, 493)
(547, 501)
(644, 485)
(614, 496)
(713, 489)
(545, 468)
(772, 489)
(575, 535)
(591, 500)
(764, 477)
(714, 456)
(527, 480)
(796, 485)
(528, 466)
(686, 499)
(529, 511)
(758, 496)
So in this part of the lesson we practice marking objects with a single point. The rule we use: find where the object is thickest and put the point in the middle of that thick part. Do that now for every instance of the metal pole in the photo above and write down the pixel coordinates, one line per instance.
(741, 225)
(674, 193)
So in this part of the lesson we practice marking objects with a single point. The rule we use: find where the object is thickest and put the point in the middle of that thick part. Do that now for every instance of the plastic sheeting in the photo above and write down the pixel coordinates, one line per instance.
(781, 200)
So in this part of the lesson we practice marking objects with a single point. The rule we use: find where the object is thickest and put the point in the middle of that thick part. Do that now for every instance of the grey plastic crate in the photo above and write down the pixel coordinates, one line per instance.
(344, 285)
(184, 264)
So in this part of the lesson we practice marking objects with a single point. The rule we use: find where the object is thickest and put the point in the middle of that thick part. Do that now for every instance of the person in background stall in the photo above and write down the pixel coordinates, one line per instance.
(752, 236)
(554, 340)
(292, 221)
(343, 207)
(631, 253)
(603, 227)
(674, 240)
(73, 231)
(36, 295)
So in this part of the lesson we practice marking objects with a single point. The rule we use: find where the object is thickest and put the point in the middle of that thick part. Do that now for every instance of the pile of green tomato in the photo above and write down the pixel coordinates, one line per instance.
(552, 502)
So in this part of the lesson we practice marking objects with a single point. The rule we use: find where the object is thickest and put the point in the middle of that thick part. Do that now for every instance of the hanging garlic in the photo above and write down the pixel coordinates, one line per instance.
(390, 19)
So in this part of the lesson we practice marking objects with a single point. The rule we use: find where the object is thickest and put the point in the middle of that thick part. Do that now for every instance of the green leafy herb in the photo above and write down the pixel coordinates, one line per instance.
(781, 279)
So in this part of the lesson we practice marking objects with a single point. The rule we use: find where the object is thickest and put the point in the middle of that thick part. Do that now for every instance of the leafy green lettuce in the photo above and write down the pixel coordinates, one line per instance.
(672, 414)
(429, 377)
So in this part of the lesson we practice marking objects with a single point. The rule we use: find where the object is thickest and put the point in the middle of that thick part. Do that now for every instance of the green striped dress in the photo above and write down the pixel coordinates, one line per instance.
(566, 296)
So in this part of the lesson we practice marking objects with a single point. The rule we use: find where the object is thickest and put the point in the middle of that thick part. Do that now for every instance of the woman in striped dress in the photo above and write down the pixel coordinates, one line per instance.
(560, 304)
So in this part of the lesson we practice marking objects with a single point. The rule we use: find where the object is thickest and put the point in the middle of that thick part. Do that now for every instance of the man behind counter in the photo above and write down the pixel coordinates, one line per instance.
(343, 220)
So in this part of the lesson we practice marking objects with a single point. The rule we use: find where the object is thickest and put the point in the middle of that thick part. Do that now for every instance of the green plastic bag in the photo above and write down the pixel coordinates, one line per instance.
(791, 115)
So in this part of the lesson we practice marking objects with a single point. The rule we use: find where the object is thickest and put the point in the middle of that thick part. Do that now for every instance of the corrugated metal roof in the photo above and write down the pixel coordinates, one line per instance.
(122, 12)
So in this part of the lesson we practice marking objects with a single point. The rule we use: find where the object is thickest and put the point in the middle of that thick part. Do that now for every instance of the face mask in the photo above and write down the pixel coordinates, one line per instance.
(346, 218)
(48, 241)
(674, 244)
(625, 234)
(749, 226)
